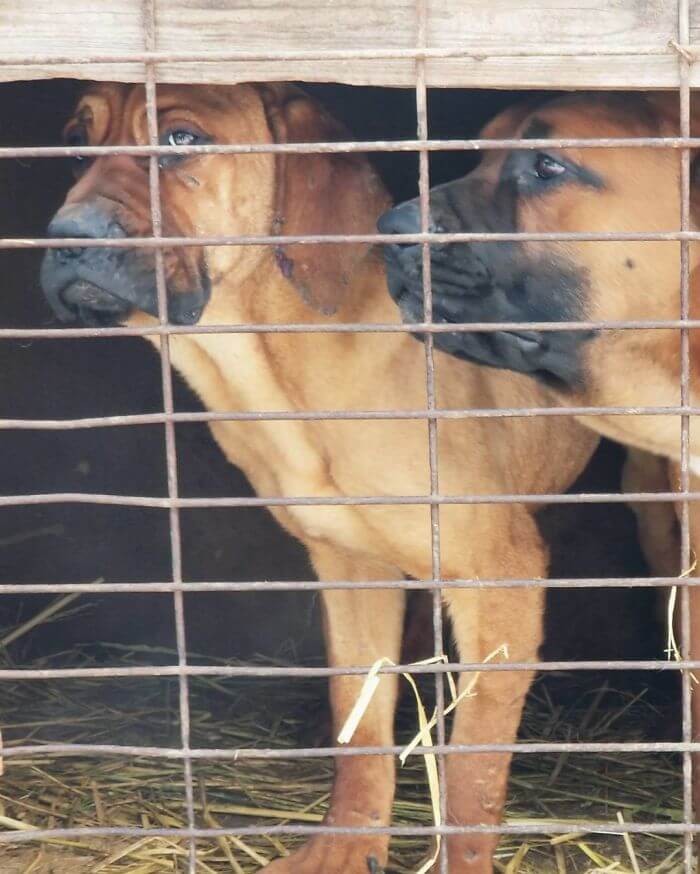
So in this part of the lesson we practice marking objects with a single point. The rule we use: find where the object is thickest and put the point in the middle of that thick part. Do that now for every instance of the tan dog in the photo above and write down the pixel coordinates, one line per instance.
(259, 194)
(580, 190)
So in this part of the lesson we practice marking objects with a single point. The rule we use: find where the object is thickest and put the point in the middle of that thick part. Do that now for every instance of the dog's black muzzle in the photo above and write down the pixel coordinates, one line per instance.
(404, 261)
(102, 286)
(486, 282)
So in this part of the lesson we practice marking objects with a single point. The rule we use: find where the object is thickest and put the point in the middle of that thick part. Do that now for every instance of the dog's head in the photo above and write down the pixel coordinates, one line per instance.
(594, 190)
(205, 195)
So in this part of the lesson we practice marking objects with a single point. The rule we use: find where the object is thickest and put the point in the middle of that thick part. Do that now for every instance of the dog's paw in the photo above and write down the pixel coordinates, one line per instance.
(332, 854)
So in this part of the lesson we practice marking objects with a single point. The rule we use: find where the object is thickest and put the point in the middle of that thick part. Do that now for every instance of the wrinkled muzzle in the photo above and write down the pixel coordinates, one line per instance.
(101, 286)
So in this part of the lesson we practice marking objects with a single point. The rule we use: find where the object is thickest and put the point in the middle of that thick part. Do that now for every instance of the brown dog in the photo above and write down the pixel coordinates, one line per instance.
(258, 194)
(579, 190)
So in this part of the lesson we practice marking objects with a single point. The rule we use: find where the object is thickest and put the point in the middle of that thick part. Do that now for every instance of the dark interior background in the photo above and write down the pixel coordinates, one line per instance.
(71, 378)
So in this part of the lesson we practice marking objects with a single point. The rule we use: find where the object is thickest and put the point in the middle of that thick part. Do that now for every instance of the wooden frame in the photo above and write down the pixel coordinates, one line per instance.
(471, 43)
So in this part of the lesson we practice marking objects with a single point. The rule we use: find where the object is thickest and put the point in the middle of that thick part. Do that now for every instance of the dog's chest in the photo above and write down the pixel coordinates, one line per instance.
(281, 458)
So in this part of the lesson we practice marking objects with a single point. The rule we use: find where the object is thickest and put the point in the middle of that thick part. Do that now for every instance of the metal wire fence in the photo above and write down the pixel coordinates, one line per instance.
(432, 414)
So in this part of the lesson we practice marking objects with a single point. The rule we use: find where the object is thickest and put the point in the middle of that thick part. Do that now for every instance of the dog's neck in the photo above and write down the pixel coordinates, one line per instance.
(226, 369)
(267, 296)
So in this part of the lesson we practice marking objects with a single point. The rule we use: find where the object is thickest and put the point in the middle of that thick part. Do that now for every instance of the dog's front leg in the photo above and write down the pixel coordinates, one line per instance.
(360, 626)
(483, 621)
(477, 782)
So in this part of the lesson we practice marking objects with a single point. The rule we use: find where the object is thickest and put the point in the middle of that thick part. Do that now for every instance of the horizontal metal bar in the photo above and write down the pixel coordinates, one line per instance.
(413, 53)
(343, 500)
(320, 586)
(333, 147)
(345, 328)
(532, 827)
(257, 671)
(256, 753)
(134, 419)
(167, 242)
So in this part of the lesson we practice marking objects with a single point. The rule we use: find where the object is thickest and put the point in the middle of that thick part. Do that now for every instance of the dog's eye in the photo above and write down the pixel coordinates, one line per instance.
(182, 138)
(179, 137)
(77, 136)
(547, 167)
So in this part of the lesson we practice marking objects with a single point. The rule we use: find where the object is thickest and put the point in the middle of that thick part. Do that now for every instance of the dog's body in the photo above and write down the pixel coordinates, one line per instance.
(591, 190)
(331, 459)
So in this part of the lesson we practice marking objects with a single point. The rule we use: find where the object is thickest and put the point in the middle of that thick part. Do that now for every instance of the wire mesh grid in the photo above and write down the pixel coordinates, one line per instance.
(432, 414)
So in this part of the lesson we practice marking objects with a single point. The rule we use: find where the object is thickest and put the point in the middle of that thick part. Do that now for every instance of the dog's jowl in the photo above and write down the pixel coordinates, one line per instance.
(266, 194)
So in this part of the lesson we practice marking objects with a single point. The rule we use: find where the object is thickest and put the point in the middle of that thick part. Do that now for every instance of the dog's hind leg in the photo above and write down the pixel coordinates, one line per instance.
(658, 527)
(657, 524)
(360, 626)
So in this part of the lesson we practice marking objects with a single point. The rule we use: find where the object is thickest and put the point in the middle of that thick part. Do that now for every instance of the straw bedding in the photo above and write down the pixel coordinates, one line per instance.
(73, 791)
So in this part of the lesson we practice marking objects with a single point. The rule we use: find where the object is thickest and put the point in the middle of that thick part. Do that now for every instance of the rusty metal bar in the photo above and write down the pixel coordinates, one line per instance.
(134, 419)
(421, 12)
(334, 239)
(316, 586)
(344, 500)
(530, 828)
(292, 671)
(340, 501)
(343, 328)
(241, 753)
(685, 549)
(475, 144)
(149, 26)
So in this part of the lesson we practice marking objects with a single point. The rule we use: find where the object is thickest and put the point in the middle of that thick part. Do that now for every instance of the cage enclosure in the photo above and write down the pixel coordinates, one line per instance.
(163, 698)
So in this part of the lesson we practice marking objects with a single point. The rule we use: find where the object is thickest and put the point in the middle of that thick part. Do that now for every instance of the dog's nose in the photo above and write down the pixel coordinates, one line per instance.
(86, 220)
(402, 219)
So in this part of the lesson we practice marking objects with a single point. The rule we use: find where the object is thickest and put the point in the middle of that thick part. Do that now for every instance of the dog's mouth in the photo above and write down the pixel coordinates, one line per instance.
(92, 305)
(465, 289)
(450, 303)
(483, 347)
(94, 296)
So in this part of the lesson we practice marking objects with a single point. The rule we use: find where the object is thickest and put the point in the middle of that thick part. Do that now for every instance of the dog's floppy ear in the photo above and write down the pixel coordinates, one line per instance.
(319, 194)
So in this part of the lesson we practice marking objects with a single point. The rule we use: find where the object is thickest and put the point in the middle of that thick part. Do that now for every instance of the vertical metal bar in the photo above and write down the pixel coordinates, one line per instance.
(433, 455)
(149, 21)
(687, 731)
